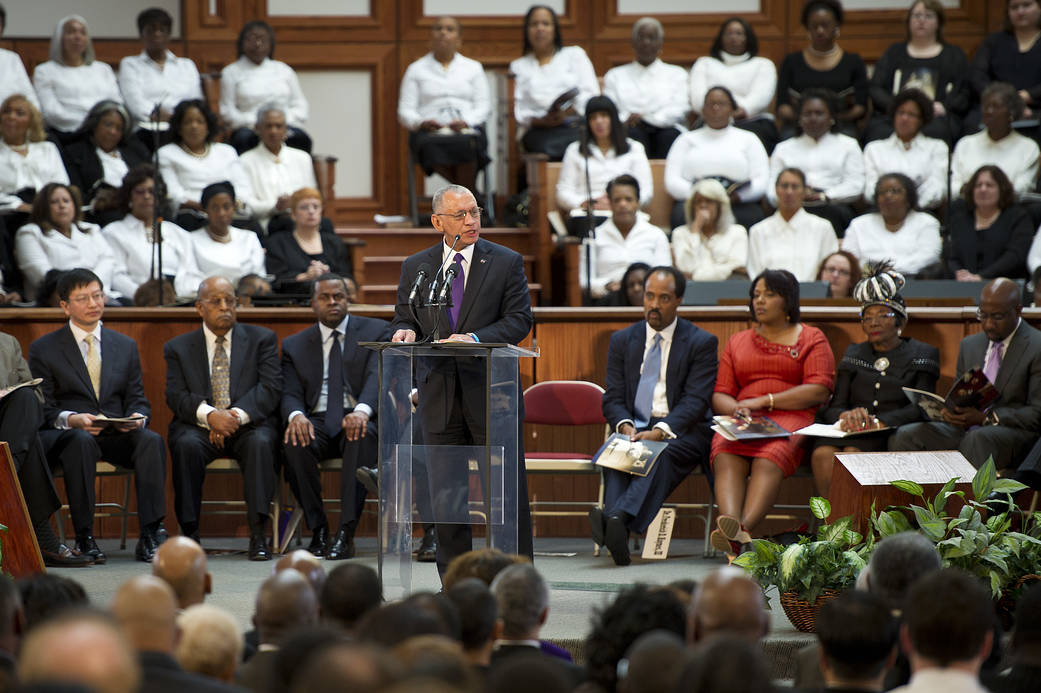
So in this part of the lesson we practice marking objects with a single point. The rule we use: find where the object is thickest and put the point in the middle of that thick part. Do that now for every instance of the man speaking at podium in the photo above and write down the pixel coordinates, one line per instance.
(490, 304)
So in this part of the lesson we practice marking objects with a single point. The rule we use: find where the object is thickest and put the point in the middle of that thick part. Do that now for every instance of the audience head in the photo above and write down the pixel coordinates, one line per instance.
(137, 195)
(193, 124)
(896, 196)
(708, 197)
(816, 113)
(948, 621)
(352, 289)
(911, 110)
(857, 634)
(541, 30)
(107, 124)
(623, 193)
(216, 304)
(437, 658)
(478, 612)
(210, 642)
(726, 663)
(1026, 634)
(648, 39)
(791, 191)
(718, 111)
(1001, 304)
(80, 292)
(483, 564)
(70, 42)
(897, 562)
(523, 599)
(989, 190)
(736, 37)
(47, 291)
(20, 121)
(12, 617)
(841, 270)
(663, 290)
(925, 19)
(440, 607)
(653, 663)
(632, 283)
(146, 609)
(256, 41)
(148, 294)
(774, 297)
(218, 201)
(527, 674)
(285, 601)
(251, 285)
(56, 207)
(329, 299)
(603, 125)
(727, 601)
(446, 37)
(155, 17)
(1000, 105)
(351, 590)
(305, 563)
(1022, 15)
(347, 666)
(298, 649)
(305, 209)
(822, 19)
(394, 623)
(181, 563)
(272, 127)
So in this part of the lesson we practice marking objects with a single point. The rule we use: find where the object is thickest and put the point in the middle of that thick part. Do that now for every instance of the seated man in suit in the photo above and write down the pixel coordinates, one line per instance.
(1009, 352)
(90, 373)
(660, 375)
(223, 385)
(329, 404)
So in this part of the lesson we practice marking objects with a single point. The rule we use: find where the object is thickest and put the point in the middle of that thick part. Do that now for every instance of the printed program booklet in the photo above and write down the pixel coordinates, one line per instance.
(972, 389)
(631, 456)
(755, 428)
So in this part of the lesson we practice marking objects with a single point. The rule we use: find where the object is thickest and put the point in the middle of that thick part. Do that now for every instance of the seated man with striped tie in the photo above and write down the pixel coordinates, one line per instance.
(223, 384)
(1009, 352)
(660, 376)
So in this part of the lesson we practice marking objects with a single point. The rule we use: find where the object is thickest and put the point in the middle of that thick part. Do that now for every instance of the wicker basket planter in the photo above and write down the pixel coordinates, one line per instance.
(801, 613)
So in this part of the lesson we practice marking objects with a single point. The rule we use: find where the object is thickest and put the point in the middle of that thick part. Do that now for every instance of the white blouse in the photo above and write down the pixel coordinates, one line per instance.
(186, 174)
(38, 252)
(432, 92)
(233, 260)
(571, 185)
(711, 258)
(752, 82)
(913, 247)
(14, 79)
(657, 92)
(273, 175)
(833, 164)
(40, 166)
(1015, 154)
(144, 83)
(131, 243)
(924, 161)
(728, 152)
(612, 254)
(536, 86)
(798, 245)
(68, 93)
(246, 86)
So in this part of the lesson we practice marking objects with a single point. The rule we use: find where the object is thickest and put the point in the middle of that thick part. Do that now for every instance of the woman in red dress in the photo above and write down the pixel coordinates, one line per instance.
(780, 368)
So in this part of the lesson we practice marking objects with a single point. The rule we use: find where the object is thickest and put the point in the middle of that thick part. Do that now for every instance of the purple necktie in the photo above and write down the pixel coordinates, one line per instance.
(458, 284)
(994, 361)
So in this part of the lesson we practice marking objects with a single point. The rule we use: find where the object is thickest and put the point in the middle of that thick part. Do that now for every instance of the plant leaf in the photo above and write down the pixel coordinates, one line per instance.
(1008, 486)
(820, 507)
(909, 487)
(983, 480)
(940, 501)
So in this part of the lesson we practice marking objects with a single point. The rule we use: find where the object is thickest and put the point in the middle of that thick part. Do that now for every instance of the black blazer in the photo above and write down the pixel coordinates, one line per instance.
(84, 166)
(256, 379)
(160, 673)
(57, 359)
(285, 259)
(999, 251)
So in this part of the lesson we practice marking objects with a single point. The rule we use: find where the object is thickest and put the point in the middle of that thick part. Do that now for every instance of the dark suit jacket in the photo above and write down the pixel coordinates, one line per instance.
(84, 166)
(260, 673)
(690, 375)
(506, 653)
(1019, 378)
(162, 674)
(57, 359)
(302, 365)
(256, 379)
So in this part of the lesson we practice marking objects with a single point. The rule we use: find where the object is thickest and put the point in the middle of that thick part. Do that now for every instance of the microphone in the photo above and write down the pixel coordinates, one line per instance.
(434, 286)
(450, 275)
(424, 270)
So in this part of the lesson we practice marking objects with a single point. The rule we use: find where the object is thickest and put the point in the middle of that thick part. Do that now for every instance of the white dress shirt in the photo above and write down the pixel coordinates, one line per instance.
(923, 160)
(1015, 154)
(430, 91)
(613, 253)
(131, 243)
(240, 256)
(113, 167)
(752, 81)
(728, 152)
(204, 408)
(657, 92)
(659, 400)
(571, 185)
(914, 246)
(273, 175)
(246, 86)
(41, 165)
(38, 252)
(798, 245)
(186, 175)
(467, 253)
(711, 258)
(537, 86)
(79, 335)
(145, 83)
(68, 93)
(941, 680)
(14, 79)
(833, 164)
(349, 402)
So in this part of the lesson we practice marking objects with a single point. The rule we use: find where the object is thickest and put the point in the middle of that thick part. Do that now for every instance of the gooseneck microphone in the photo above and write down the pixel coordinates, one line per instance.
(439, 279)
(424, 271)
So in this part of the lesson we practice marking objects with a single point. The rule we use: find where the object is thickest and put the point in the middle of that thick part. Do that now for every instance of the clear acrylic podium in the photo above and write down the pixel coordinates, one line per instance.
(475, 484)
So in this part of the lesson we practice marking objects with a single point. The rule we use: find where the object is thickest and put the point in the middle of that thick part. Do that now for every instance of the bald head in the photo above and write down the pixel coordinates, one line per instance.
(1000, 307)
(1001, 289)
(181, 563)
(285, 601)
(727, 601)
(305, 563)
(146, 609)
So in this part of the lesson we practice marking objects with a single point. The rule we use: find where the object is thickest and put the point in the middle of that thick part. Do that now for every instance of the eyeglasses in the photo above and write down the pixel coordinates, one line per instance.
(83, 299)
(837, 270)
(996, 317)
(878, 317)
(460, 216)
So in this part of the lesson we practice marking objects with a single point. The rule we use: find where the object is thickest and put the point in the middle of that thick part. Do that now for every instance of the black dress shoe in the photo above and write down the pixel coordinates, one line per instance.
(369, 478)
(88, 547)
(258, 548)
(596, 524)
(65, 557)
(616, 538)
(427, 552)
(146, 548)
(342, 547)
(319, 540)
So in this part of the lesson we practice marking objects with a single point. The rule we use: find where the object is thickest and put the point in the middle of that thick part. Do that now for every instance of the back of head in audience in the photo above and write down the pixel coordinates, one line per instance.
(251, 285)
(44, 595)
(1026, 635)
(728, 601)
(210, 641)
(181, 562)
(435, 657)
(478, 616)
(857, 634)
(897, 562)
(653, 663)
(483, 564)
(440, 607)
(285, 601)
(305, 563)
(346, 666)
(146, 609)
(523, 599)
(351, 590)
(948, 622)
(298, 648)
(393, 623)
(527, 674)
(726, 663)
(148, 293)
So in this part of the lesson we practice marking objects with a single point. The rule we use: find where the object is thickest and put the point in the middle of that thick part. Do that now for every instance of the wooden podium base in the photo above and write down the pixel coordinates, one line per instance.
(21, 551)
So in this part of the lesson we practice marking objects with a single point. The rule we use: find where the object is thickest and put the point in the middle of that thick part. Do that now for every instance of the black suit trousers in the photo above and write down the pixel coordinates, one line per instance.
(21, 415)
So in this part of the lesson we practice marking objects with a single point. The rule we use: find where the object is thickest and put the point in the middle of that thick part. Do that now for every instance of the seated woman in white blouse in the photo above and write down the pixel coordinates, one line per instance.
(547, 72)
(721, 151)
(711, 247)
(223, 250)
(832, 162)
(896, 232)
(56, 238)
(255, 79)
(13, 77)
(27, 160)
(607, 154)
(72, 80)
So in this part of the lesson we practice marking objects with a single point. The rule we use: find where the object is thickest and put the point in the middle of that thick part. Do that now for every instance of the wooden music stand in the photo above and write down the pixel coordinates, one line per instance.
(21, 551)
(862, 478)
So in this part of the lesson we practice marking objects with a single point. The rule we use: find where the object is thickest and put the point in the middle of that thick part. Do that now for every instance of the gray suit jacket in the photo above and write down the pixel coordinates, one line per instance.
(13, 368)
(1019, 378)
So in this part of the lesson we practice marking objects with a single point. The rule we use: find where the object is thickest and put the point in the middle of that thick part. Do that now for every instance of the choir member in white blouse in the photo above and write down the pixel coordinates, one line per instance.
(72, 80)
(920, 158)
(223, 250)
(543, 75)
(27, 160)
(444, 104)
(13, 77)
(604, 153)
(649, 93)
(790, 239)
(734, 62)
(711, 247)
(156, 77)
(56, 238)
(911, 239)
(719, 150)
(997, 143)
(131, 239)
(255, 79)
(832, 162)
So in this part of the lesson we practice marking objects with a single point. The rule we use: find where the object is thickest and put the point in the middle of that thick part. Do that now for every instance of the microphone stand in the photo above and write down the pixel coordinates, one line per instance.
(156, 272)
(432, 299)
(587, 242)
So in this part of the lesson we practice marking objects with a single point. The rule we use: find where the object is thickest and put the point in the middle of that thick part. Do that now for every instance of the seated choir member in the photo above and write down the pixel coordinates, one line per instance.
(1012, 55)
(781, 368)
(444, 104)
(990, 235)
(255, 79)
(660, 374)
(897, 230)
(630, 289)
(221, 249)
(28, 161)
(734, 62)
(841, 270)
(222, 385)
(544, 74)
(790, 239)
(626, 237)
(650, 94)
(832, 161)
(296, 259)
(13, 77)
(132, 242)
(711, 246)
(868, 386)
(72, 81)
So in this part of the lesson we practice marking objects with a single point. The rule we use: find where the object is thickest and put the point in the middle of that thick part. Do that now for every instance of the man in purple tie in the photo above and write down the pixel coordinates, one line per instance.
(1009, 352)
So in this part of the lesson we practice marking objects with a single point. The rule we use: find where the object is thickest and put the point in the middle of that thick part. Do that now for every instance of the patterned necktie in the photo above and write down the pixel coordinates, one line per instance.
(93, 365)
(994, 361)
(334, 390)
(458, 285)
(648, 379)
(220, 376)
